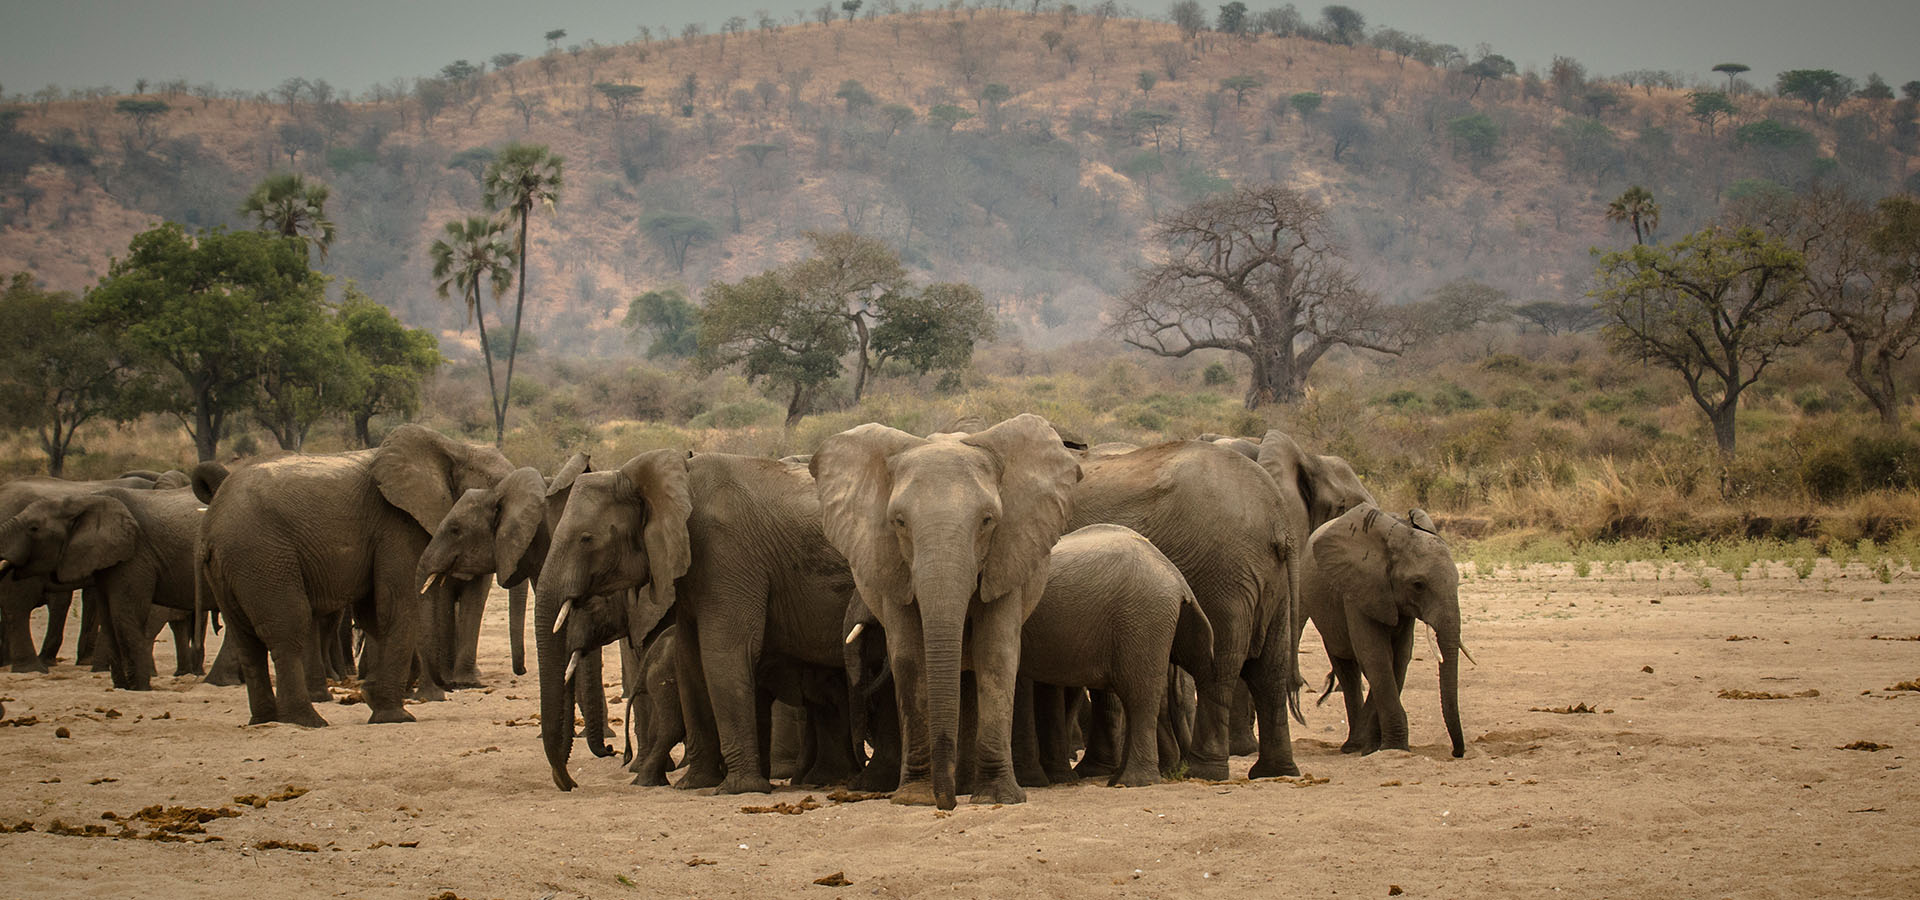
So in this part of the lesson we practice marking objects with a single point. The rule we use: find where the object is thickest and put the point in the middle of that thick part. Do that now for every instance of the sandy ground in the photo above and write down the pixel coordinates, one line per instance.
(1667, 791)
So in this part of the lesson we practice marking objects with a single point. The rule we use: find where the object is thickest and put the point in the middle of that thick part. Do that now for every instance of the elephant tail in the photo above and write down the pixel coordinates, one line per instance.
(1193, 637)
(1288, 549)
(1326, 691)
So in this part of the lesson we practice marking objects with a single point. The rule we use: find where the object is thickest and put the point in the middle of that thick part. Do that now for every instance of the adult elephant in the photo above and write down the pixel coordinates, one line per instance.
(730, 545)
(134, 547)
(286, 543)
(1219, 517)
(1370, 576)
(21, 594)
(948, 539)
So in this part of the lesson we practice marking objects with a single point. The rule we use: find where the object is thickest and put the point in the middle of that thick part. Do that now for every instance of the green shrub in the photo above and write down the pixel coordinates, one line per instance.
(1827, 472)
(1886, 460)
(1404, 400)
(743, 414)
(1216, 374)
(1563, 410)
(1454, 398)
(1606, 403)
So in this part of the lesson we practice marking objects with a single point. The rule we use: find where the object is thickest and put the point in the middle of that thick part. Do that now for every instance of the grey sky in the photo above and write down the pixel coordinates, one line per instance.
(355, 43)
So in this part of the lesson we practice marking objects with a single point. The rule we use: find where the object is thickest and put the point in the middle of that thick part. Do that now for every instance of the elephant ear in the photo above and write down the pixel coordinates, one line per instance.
(101, 533)
(1037, 475)
(414, 469)
(1293, 469)
(658, 479)
(521, 505)
(172, 479)
(1418, 518)
(850, 474)
(1349, 557)
(560, 486)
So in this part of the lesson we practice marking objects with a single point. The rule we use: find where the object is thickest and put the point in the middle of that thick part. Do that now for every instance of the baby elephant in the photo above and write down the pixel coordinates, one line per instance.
(1115, 611)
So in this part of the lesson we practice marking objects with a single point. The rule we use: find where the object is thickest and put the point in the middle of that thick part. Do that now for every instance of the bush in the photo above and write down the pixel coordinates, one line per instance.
(740, 415)
(1454, 398)
(1215, 375)
(1827, 472)
(1886, 461)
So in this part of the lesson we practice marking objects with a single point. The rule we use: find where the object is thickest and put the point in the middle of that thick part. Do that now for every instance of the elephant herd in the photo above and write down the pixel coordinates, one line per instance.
(956, 613)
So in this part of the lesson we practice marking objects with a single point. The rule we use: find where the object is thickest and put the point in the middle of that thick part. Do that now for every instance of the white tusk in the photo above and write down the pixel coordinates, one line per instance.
(561, 619)
(5, 564)
(572, 664)
(431, 581)
(200, 509)
(854, 635)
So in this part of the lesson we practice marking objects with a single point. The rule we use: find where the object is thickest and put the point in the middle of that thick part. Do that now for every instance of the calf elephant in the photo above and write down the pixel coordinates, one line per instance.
(1370, 576)
(289, 541)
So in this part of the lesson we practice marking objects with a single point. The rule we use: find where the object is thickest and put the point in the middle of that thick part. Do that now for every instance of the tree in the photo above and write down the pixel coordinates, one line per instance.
(932, 328)
(1863, 275)
(1147, 80)
(1706, 107)
(1306, 102)
(850, 7)
(1491, 67)
(1233, 18)
(1189, 16)
(850, 273)
(1553, 317)
(1718, 306)
(676, 233)
(1240, 85)
(304, 373)
(854, 94)
(205, 306)
(1814, 86)
(1637, 208)
(673, 320)
(1254, 272)
(1475, 134)
(1732, 70)
(390, 363)
(61, 374)
(473, 161)
(475, 253)
(1051, 39)
(1344, 25)
(759, 152)
(143, 113)
(553, 39)
(525, 175)
(619, 95)
(290, 206)
(947, 115)
(764, 325)
(1876, 88)
(1462, 305)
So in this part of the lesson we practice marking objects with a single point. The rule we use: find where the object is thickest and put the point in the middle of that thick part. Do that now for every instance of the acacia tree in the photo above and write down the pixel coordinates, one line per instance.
(1255, 273)
(851, 273)
(288, 205)
(1732, 70)
(522, 177)
(1863, 275)
(1636, 207)
(677, 233)
(476, 252)
(390, 362)
(1718, 306)
(60, 374)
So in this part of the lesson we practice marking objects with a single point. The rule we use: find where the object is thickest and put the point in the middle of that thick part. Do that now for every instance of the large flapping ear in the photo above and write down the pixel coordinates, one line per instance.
(1349, 555)
(659, 479)
(562, 481)
(1292, 468)
(850, 474)
(1418, 518)
(414, 469)
(100, 533)
(520, 511)
(1037, 475)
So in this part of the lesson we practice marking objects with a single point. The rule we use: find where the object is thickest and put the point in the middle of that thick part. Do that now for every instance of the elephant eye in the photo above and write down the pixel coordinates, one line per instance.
(899, 521)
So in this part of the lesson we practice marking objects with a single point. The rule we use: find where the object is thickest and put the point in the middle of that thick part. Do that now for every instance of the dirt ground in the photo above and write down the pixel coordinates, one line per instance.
(1666, 790)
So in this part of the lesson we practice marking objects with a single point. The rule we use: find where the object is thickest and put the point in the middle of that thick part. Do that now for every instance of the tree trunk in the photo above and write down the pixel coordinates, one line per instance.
(205, 438)
(796, 405)
(1723, 417)
(495, 406)
(513, 344)
(361, 433)
(860, 364)
(1875, 382)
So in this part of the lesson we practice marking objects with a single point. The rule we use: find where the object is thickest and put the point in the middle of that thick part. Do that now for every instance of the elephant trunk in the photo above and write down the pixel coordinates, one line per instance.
(943, 592)
(556, 698)
(1446, 627)
(517, 625)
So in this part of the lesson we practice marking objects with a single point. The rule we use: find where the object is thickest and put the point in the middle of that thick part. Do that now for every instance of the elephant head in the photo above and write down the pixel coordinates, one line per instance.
(1383, 568)
(623, 533)
(929, 524)
(422, 472)
(67, 539)
(1325, 486)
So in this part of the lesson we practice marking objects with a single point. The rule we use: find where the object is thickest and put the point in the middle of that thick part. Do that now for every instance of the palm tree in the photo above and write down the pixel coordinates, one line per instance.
(521, 176)
(288, 205)
(1637, 207)
(475, 252)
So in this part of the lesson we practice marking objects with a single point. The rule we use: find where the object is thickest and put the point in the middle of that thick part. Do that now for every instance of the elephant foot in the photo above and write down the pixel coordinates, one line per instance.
(1062, 775)
(100, 667)
(1207, 770)
(305, 719)
(600, 750)
(465, 684)
(429, 692)
(1134, 778)
(998, 790)
(1262, 768)
(219, 679)
(1352, 746)
(1244, 745)
(319, 696)
(140, 685)
(1089, 768)
(914, 793)
(519, 667)
(876, 778)
(651, 777)
(697, 779)
(745, 784)
(263, 719)
(31, 664)
(390, 715)
(1376, 749)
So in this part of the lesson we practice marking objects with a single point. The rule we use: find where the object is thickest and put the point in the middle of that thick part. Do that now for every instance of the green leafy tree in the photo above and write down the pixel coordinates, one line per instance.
(1307, 102)
(671, 318)
(1477, 135)
(1732, 70)
(676, 233)
(619, 95)
(473, 161)
(289, 205)
(144, 115)
(1717, 307)
(1708, 107)
(1637, 208)
(476, 253)
(204, 306)
(1863, 275)
(1461, 305)
(1344, 25)
(935, 327)
(1814, 86)
(1232, 19)
(524, 176)
(760, 152)
(766, 326)
(390, 363)
(1146, 80)
(1189, 16)
(1240, 85)
(1875, 89)
(947, 115)
(850, 7)
(1491, 67)
(304, 373)
(1771, 134)
(854, 94)
(60, 373)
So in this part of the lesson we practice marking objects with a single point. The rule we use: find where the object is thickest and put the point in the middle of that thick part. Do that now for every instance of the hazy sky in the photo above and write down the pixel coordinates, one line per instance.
(357, 43)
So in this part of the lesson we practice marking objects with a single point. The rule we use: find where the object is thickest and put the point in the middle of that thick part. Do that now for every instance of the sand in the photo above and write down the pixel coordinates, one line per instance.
(1667, 790)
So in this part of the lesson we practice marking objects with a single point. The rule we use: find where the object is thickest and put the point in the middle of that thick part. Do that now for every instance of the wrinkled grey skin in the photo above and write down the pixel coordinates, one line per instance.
(287, 542)
(1371, 575)
(1116, 611)
(21, 595)
(731, 547)
(948, 538)
(1217, 515)
(135, 547)
(653, 712)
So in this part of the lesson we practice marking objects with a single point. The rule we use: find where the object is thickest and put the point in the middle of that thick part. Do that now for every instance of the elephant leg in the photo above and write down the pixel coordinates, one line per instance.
(789, 725)
(1051, 731)
(1270, 681)
(1102, 757)
(315, 661)
(392, 641)
(1402, 653)
(250, 655)
(882, 771)
(289, 638)
(184, 661)
(830, 730)
(904, 644)
(729, 657)
(517, 625)
(966, 762)
(1141, 697)
(471, 608)
(996, 666)
(58, 603)
(1241, 741)
(1361, 729)
(88, 650)
(590, 696)
(705, 767)
(1208, 757)
(1028, 764)
(1373, 647)
(128, 628)
(226, 670)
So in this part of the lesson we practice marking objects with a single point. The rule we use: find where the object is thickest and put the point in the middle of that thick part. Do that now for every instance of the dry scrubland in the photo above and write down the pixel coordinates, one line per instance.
(1666, 789)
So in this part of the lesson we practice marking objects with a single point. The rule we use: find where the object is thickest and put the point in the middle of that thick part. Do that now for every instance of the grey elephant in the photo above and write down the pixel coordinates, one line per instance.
(1219, 517)
(654, 718)
(136, 549)
(287, 542)
(1370, 577)
(948, 538)
(731, 547)
(21, 594)
(1116, 611)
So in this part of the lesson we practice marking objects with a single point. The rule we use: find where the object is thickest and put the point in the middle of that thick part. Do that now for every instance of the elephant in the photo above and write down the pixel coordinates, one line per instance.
(20, 594)
(1218, 516)
(288, 542)
(1115, 612)
(136, 549)
(1369, 576)
(732, 548)
(654, 717)
(948, 538)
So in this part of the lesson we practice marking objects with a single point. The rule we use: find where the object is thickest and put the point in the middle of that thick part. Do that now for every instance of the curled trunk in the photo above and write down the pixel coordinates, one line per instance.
(556, 700)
